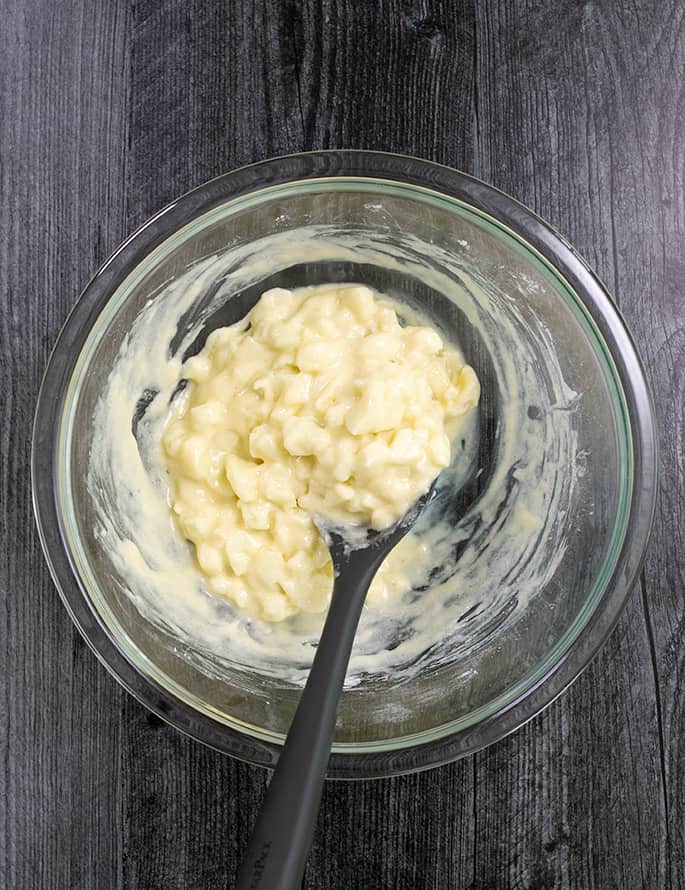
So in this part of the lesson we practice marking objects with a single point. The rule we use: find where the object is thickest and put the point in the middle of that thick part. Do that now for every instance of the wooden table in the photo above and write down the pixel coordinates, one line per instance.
(109, 109)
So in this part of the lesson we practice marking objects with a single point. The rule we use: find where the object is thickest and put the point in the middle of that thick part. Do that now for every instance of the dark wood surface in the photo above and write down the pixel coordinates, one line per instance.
(110, 108)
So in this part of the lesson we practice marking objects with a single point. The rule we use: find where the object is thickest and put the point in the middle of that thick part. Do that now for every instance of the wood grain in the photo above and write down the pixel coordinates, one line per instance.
(63, 146)
(112, 108)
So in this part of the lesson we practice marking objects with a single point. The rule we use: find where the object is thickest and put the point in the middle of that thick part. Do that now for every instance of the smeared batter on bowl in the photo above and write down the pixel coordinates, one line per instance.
(318, 403)
(484, 564)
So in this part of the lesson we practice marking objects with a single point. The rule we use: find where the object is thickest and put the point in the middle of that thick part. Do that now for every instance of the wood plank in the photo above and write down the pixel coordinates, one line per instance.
(62, 143)
(214, 86)
(580, 121)
(389, 76)
(407, 833)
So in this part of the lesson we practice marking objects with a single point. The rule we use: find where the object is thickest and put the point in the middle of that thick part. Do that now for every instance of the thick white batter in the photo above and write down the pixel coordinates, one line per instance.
(319, 402)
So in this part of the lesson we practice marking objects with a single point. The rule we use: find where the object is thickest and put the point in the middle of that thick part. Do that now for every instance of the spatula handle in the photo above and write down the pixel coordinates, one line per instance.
(280, 842)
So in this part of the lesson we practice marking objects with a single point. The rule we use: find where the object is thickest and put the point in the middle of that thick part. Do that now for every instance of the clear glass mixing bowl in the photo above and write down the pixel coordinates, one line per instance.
(417, 231)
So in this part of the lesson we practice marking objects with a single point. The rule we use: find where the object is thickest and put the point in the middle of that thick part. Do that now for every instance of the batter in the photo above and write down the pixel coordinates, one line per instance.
(319, 402)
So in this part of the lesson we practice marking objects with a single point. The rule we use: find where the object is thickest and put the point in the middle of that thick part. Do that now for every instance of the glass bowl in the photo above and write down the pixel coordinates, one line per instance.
(549, 532)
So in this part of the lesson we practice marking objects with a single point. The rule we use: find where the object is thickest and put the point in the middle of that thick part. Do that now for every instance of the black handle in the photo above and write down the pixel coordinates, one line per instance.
(280, 842)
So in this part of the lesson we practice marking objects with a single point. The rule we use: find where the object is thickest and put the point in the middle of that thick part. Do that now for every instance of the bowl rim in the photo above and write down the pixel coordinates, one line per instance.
(322, 165)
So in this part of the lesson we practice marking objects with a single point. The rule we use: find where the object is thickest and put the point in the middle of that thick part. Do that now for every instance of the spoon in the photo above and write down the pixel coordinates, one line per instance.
(280, 842)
